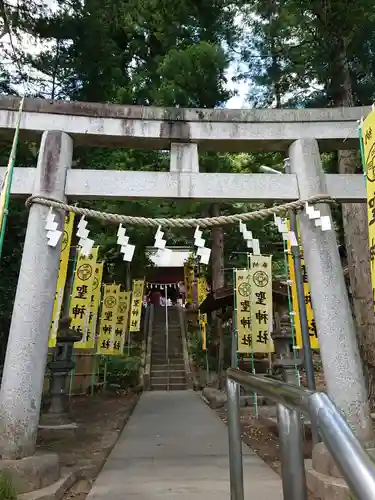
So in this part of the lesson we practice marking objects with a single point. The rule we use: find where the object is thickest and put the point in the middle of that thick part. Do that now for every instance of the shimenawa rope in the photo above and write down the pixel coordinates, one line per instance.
(202, 222)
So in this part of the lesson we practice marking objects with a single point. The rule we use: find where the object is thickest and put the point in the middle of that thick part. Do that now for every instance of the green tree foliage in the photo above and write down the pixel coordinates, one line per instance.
(298, 51)
(175, 54)
(128, 52)
(320, 53)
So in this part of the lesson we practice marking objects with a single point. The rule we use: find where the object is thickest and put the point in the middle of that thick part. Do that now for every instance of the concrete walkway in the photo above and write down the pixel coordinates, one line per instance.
(175, 447)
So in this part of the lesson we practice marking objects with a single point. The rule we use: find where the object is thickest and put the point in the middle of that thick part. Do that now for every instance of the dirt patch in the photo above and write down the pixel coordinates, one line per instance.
(101, 418)
(264, 442)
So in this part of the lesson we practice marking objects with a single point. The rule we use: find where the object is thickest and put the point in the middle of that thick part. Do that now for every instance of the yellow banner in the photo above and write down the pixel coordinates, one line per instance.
(61, 280)
(314, 342)
(202, 318)
(95, 303)
(136, 305)
(189, 280)
(368, 141)
(107, 343)
(80, 302)
(204, 336)
(243, 320)
(202, 294)
(261, 302)
(122, 319)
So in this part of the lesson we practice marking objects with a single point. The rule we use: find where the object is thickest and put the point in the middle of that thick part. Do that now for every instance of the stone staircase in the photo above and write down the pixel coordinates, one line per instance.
(167, 374)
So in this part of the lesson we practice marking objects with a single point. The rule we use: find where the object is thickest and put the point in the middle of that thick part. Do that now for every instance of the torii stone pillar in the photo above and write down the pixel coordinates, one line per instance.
(26, 356)
(336, 332)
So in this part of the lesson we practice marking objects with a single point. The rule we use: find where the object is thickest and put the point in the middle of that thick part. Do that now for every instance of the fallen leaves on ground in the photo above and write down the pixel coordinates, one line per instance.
(100, 419)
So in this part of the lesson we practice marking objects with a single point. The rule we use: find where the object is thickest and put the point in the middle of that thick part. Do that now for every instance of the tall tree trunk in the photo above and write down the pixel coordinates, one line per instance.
(357, 245)
(218, 282)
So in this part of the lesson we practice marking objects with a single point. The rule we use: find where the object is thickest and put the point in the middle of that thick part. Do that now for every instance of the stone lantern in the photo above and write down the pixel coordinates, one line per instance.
(61, 365)
(286, 360)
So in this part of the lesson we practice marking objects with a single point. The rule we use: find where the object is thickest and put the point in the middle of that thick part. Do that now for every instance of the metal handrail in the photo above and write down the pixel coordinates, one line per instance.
(355, 464)
(149, 323)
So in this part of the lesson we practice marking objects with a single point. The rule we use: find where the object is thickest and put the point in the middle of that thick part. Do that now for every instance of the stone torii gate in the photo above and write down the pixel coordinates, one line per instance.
(301, 134)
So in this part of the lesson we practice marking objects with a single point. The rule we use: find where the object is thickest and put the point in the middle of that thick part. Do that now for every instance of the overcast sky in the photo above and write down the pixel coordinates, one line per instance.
(242, 89)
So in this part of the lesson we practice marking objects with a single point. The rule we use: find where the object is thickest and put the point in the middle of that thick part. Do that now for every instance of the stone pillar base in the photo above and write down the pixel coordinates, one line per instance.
(50, 418)
(323, 476)
(32, 473)
(326, 487)
(55, 491)
(57, 432)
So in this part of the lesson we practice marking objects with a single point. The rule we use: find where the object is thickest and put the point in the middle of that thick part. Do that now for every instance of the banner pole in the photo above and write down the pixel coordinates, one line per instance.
(72, 373)
(166, 325)
(5, 190)
(234, 324)
(255, 395)
(105, 374)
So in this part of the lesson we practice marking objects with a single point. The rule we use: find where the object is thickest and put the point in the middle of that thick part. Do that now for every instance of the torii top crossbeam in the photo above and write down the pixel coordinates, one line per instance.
(184, 131)
(212, 129)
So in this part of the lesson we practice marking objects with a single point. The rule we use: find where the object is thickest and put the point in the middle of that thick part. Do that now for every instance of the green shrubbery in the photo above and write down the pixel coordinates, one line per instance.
(199, 356)
(122, 371)
(7, 491)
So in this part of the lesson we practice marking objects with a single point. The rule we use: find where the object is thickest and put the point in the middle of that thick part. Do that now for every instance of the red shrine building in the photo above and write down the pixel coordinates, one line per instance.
(171, 272)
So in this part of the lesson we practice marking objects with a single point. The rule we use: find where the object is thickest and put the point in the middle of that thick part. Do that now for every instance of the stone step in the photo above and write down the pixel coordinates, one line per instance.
(170, 359)
(172, 326)
(163, 338)
(161, 355)
(162, 360)
(159, 374)
(173, 365)
(160, 345)
(173, 353)
(174, 345)
(171, 387)
(163, 366)
(162, 333)
(176, 367)
(171, 343)
(164, 380)
(164, 373)
(171, 322)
